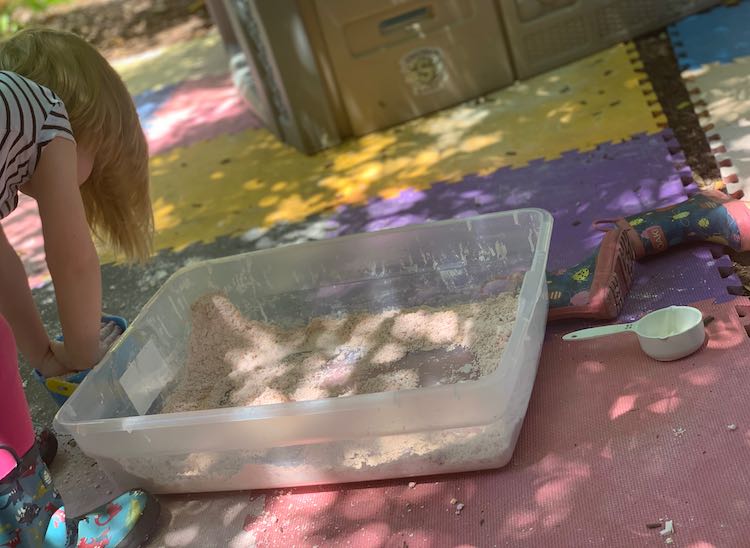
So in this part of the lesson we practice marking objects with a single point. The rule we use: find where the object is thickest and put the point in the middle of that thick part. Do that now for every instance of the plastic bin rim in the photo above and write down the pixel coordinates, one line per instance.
(545, 217)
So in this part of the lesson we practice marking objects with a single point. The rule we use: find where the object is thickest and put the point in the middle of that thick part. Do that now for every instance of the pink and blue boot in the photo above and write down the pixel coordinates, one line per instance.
(32, 513)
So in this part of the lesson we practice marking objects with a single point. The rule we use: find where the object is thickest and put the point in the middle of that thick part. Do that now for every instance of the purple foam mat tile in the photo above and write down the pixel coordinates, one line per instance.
(679, 277)
(612, 181)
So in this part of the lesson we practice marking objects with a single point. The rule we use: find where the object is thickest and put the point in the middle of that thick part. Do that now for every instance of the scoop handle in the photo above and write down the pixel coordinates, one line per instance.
(596, 332)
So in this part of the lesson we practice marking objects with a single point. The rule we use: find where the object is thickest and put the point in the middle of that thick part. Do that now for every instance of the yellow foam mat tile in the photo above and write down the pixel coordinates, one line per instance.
(166, 66)
(232, 183)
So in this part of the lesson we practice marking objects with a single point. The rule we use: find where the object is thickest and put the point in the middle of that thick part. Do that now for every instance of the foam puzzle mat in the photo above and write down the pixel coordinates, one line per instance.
(678, 278)
(612, 181)
(24, 230)
(722, 91)
(248, 179)
(712, 49)
(195, 111)
(600, 98)
(148, 103)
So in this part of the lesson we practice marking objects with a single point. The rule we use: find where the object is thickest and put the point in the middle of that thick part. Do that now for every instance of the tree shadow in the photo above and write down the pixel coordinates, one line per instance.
(605, 449)
(267, 182)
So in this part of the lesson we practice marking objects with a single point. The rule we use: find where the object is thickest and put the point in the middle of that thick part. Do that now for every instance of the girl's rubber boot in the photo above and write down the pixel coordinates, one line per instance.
(61, 388)
(32, 513)
(595, 288)
(708, 216)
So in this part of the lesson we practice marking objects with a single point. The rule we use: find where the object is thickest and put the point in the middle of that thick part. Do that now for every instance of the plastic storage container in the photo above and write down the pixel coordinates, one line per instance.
(467, 426)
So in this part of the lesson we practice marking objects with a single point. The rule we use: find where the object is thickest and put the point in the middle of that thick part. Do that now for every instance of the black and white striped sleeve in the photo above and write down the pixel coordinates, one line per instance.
(31, 116)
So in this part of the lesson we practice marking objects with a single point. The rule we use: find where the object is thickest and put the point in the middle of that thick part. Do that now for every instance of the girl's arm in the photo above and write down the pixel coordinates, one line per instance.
(71, 255)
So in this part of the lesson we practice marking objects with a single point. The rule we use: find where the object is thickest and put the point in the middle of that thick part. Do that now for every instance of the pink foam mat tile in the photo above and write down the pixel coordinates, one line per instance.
(197, 111)
(612, 442)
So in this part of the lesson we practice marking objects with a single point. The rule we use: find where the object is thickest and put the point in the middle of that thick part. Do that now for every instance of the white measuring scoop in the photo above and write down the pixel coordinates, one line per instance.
(666, 334)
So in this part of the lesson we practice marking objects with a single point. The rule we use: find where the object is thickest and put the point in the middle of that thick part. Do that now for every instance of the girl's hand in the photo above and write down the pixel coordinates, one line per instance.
(108, 334)
(57, 360)
(54, 361)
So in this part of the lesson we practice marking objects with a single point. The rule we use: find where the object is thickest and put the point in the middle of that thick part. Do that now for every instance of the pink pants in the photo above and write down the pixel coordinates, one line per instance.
(15, 422)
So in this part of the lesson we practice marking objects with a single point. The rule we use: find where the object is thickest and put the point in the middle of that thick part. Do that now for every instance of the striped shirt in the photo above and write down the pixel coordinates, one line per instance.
(30, 117)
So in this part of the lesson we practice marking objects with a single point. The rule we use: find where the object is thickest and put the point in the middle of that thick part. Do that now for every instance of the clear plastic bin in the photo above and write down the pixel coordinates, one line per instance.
(449, 428)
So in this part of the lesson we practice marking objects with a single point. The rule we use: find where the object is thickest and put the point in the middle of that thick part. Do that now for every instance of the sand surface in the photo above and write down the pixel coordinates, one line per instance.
(233, 361)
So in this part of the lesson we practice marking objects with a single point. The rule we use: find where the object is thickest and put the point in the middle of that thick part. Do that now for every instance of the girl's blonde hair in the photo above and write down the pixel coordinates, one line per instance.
(104, 120)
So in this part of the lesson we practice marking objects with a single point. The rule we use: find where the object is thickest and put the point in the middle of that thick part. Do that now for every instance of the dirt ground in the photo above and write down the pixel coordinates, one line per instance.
(126, 27)
(661, 66)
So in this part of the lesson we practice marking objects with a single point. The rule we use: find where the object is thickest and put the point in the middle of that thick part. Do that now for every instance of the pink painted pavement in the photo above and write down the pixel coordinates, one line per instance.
(197, 111)
(24, 231)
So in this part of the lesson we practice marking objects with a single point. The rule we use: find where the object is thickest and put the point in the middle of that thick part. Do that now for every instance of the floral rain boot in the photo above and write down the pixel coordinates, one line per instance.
(32, 513)
(27, 501)
(595, 288)
(125, 522)
(708, 216)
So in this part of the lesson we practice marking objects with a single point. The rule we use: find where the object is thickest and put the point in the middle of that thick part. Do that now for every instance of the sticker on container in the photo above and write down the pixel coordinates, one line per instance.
(146, 377)
(424, 70)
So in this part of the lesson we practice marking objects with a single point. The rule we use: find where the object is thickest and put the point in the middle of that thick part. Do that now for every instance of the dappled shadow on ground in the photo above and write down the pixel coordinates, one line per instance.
(235, 360)
(611, 442)
(611, 181)
(660, 63)
(724, 89)
(723, 103)
(251, 179)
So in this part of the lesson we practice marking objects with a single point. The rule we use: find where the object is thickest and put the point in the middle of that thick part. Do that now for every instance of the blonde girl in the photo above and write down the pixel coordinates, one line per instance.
(69, 138)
